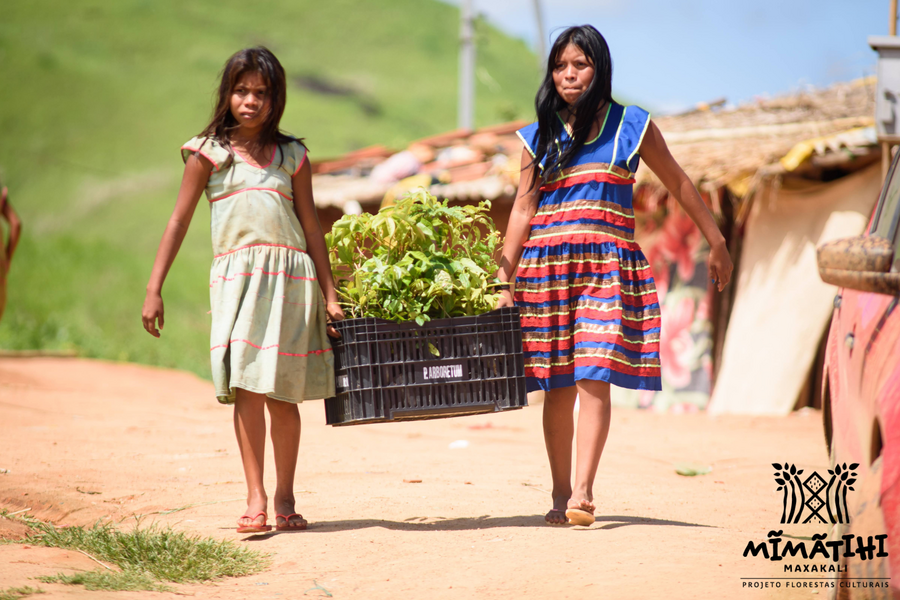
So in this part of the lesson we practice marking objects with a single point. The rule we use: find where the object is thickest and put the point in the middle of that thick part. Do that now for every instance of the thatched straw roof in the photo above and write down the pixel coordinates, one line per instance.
(802, 132)
(720, 147)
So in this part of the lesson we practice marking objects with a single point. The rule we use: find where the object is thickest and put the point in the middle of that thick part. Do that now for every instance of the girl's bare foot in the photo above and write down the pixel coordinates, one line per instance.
(285, 517)
(580, 512)
(290, 522)
(557, 514)
(255, 515)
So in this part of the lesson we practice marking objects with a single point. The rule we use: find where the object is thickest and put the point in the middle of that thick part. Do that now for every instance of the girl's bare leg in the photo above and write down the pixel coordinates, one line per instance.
(285, 432)
(250, 429)
(594, 414)
(559, 427)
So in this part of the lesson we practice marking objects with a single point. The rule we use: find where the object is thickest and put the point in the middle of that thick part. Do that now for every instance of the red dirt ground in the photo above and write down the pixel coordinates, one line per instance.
(84, 440)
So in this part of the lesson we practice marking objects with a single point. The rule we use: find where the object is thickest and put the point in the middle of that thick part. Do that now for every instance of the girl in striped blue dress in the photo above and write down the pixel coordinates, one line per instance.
(585, 292)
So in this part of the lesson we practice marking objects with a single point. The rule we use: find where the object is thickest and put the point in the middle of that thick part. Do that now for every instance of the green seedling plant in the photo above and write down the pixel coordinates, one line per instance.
(417, 260)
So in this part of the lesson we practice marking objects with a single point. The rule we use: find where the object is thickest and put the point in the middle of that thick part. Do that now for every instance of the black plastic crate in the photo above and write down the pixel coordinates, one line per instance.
(387, 371)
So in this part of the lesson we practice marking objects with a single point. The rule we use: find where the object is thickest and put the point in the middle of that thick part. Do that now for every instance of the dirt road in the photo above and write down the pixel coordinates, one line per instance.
(83, 440)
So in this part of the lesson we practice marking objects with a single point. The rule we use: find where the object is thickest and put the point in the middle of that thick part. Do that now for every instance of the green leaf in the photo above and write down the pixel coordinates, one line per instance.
(428, 231)
(470, 264)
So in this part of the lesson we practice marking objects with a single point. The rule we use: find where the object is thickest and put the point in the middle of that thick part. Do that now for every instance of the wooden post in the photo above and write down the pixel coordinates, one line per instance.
(541, 42)
(885, 159)
(466, 108)
(886, 146)
(892, 24)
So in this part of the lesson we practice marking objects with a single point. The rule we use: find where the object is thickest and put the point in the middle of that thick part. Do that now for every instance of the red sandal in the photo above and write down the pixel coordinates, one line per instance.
(287, 523)
(254, 528)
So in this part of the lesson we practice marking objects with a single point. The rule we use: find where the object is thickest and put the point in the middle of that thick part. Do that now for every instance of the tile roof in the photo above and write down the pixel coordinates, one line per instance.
(715, 145)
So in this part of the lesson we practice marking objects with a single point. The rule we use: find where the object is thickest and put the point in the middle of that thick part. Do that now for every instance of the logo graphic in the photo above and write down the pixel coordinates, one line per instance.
(810, 490)
(814, 499)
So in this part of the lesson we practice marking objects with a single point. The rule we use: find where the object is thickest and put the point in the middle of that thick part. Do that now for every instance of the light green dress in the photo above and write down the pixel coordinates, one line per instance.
(268, 313)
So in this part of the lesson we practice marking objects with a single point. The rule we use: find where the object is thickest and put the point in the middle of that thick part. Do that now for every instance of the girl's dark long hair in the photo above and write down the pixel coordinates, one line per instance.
(547, 102)
(250, 60)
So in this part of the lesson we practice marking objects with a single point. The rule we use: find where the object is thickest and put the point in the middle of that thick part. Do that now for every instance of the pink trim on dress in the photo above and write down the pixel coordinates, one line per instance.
(263, 245)
(311, 352)
(282, 194)
(302, 160)
(274, 148)
(202, 153)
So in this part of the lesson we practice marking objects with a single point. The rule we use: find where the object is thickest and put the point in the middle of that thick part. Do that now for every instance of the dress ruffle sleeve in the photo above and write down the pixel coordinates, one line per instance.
(634, 127)
(295, 157)
(529, 137)
(209, 149)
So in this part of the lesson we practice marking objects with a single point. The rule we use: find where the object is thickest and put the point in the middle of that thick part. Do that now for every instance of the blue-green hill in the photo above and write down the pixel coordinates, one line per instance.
(99, 95)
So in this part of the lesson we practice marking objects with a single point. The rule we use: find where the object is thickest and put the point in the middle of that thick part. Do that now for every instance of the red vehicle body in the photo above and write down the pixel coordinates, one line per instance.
(862, 393)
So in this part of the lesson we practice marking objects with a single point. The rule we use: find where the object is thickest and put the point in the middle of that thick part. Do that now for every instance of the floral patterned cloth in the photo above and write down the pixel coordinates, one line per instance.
(678, 256)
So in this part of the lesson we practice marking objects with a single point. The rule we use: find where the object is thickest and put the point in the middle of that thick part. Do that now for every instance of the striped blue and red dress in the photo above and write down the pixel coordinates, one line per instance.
(584, 289)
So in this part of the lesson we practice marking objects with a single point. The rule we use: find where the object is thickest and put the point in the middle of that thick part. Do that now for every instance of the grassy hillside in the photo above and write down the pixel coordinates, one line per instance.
(99, 96)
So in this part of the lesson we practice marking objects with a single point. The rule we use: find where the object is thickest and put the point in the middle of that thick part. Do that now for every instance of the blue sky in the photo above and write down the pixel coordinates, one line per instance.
(669, 55)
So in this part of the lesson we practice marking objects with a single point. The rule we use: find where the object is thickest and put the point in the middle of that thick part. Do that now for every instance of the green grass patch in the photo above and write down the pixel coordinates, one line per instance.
(146, 558)
(110, 581)
(19, 592)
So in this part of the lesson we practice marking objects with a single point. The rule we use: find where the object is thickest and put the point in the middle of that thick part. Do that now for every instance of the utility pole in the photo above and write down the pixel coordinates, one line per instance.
(466, 116)
(541, 42)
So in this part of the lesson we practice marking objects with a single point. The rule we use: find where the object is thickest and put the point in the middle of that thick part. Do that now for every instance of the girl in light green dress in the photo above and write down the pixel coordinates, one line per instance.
(269, 346)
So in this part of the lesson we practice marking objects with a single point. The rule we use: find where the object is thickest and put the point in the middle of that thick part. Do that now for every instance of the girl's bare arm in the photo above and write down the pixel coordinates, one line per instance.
(15, 225)
(523, 210)
(196, 175)
(305, 207)
(656, 155)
